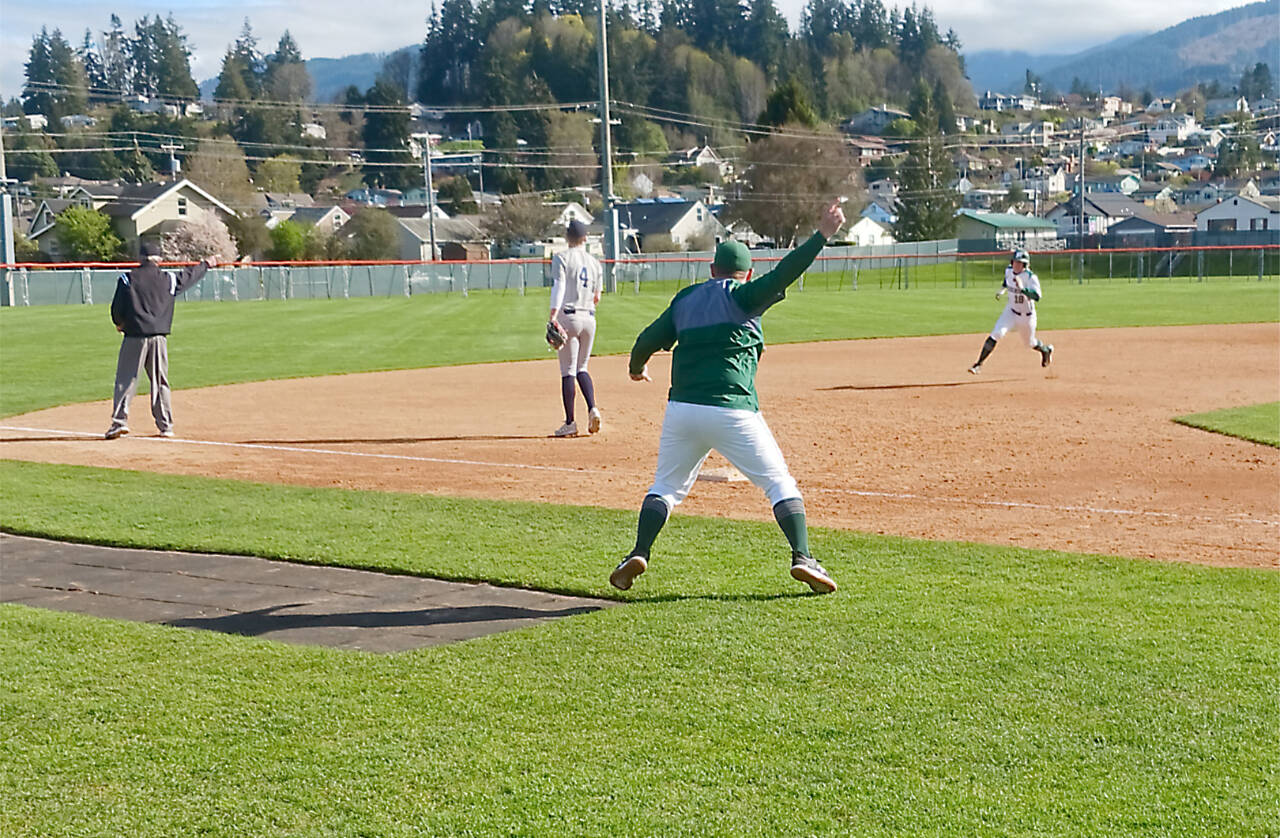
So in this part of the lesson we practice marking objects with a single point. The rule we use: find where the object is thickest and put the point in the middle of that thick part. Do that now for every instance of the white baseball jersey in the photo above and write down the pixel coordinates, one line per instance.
(576, 279)
(1020, 303)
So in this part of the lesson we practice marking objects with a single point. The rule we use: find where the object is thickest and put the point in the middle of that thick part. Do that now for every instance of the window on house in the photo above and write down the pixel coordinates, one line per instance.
(1257, 223)
(182, 206)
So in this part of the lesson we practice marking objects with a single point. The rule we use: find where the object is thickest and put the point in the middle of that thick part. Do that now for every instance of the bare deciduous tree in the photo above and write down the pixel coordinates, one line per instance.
(191, 241)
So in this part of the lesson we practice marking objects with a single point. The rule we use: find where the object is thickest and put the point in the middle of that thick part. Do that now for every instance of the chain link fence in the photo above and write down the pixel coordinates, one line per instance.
(899, 266)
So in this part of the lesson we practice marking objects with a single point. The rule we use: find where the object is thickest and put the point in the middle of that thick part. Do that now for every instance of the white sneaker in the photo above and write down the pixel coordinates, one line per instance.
(167, 434)
(115, 432)
(975, 369)
(567, 429)
(594, 421)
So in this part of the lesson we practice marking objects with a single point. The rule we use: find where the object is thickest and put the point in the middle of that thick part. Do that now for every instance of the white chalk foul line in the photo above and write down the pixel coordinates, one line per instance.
(297, 449)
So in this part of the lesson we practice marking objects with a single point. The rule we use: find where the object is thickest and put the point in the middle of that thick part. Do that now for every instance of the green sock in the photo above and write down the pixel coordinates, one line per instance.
(653, 516)
(790, 516)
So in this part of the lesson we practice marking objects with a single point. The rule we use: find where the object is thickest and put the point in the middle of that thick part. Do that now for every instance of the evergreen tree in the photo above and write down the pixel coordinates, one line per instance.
(95, 74)
(788, 105)
(946, 110)
(172, 61)
(144, 59)
(386, 133)
(39, 94)
(765, 36)
(115, 58)
(926, 202)
(286, 78)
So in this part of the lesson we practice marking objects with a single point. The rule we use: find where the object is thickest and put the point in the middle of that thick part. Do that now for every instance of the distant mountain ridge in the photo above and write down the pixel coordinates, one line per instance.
(1201, 49)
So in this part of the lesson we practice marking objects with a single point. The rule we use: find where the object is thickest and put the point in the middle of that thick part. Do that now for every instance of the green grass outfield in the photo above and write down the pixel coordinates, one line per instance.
(1256, 423)
(947, 689)
(51, 355)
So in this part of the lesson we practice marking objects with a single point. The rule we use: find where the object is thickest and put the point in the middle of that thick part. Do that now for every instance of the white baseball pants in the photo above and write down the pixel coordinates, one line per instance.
(581, 331)
(1025, 325)
(691, 431)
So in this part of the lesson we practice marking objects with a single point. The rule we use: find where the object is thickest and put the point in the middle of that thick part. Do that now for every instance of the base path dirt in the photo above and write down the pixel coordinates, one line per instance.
(885, 436)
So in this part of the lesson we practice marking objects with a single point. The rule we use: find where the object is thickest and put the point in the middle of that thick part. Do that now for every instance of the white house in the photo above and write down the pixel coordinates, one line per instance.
(700, 156)
(1039, 132)
(868, 232)
(34, 121)
(883, 189)
(1113, 106)
(681, 221)
(573, 211)
(1004, 102)
(1241, 213)
(314, 130)
(1175, 127)
(78, 120)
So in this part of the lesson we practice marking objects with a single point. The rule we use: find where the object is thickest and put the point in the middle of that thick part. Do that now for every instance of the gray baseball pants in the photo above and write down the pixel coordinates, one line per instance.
(151, 353)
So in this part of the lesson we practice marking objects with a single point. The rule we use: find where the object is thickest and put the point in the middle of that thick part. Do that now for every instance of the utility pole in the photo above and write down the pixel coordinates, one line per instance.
(173, 161)
(431, 195)
(6, 229)
(1080, 180)
(606, 163)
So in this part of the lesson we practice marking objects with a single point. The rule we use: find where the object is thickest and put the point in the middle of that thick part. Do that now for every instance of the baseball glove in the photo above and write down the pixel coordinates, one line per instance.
(555, 335)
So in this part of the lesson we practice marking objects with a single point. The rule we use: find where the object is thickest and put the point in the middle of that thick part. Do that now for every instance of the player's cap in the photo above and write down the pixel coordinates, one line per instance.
(147, 249)
(731, 257)
(575, 230)
(1021, 256)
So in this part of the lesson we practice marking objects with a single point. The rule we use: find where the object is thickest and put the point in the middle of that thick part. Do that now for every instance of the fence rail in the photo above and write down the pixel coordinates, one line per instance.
(900, 266)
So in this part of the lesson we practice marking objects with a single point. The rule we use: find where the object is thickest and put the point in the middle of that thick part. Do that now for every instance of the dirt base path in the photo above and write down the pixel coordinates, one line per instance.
(886, 436)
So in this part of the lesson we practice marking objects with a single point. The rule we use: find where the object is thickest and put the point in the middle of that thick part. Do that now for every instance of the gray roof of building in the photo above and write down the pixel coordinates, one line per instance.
(653, 217)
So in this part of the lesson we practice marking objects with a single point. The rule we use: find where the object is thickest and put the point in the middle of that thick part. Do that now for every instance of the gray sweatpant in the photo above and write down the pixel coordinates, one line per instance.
(135, 354)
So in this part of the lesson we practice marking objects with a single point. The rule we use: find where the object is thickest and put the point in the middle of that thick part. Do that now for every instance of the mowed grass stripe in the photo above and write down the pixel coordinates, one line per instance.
(55, 355)
(947, 689)
(1256, 423)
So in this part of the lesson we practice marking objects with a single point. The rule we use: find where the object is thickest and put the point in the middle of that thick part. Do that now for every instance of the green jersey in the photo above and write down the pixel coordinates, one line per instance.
(715, 329)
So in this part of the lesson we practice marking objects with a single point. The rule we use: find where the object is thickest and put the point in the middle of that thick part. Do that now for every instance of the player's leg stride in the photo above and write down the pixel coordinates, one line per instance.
(1046, 353)
(987, 346)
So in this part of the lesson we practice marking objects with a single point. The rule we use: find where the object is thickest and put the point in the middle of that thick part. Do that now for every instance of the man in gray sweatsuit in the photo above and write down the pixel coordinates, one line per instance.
(143, 310)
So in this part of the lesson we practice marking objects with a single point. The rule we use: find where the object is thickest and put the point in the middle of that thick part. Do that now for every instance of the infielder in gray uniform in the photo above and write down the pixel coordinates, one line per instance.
(142, 309)
(575, 292)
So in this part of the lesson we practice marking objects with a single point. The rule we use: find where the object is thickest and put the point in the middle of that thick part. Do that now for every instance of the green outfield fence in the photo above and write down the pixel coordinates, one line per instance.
(901, 266)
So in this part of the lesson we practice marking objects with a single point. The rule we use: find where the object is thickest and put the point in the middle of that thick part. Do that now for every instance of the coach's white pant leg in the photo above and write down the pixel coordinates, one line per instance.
(744, 438)
(684, 447)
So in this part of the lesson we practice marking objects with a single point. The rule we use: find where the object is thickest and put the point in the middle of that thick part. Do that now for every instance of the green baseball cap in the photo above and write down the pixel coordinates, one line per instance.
(732, 256)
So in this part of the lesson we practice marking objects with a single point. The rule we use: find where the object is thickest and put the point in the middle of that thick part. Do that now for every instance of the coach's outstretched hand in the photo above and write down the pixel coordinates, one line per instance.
(832, 220)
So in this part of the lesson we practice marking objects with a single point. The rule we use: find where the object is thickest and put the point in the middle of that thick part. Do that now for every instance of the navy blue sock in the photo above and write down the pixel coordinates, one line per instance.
(588, 389)
(567, 393)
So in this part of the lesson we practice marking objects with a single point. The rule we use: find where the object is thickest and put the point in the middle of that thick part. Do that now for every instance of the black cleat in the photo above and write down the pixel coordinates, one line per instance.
(1046, 354)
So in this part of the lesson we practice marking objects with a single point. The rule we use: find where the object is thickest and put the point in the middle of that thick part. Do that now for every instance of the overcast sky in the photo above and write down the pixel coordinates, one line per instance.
(328, 28)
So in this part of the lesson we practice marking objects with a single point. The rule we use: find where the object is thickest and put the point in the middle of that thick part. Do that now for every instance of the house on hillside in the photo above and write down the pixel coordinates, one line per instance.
(1123, 184)
(700, 156)
(327, 220)
(873, 120)
(415, 239)
(866, 149)
(1147, 225)
(1005, 102)
(1172, 128)
(881, 211)
(867, 232)
(1241, 212)
(1101, 211)
(138, 212)
(1113, 106)
(1218, 108)
(682, 221)
(1005, 229)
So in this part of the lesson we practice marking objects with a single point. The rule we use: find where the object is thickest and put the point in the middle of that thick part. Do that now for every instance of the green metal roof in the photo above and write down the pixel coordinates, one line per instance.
(1007, 220)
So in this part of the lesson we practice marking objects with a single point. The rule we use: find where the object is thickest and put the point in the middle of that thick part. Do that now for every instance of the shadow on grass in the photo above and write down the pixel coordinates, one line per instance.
(264, 621)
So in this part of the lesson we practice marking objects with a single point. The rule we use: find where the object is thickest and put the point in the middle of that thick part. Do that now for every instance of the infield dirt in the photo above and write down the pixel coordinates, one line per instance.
(886, 436)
